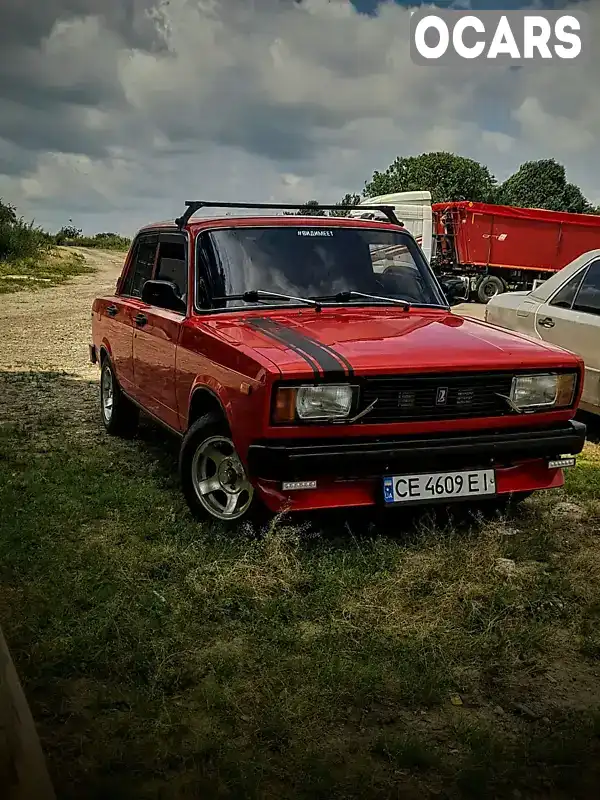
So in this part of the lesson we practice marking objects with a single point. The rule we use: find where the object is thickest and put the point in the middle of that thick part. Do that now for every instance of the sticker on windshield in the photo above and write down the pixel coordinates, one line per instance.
(314, 233)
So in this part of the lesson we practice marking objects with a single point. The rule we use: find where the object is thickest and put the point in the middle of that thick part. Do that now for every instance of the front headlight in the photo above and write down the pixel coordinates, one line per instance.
(543, 391)
(321, 402)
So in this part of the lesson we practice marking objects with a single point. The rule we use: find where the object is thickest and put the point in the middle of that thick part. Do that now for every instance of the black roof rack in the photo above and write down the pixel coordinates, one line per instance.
(195, 205)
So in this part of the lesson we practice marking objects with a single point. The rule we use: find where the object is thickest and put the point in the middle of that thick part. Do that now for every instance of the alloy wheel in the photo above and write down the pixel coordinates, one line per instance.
(220, 480)
(107, 393)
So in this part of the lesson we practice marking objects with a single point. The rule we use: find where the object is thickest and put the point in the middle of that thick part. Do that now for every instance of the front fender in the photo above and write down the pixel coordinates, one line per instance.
(206, 383)
(243, 403)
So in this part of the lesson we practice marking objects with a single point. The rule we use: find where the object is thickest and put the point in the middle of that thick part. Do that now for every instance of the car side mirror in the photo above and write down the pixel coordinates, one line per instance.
(163, 294)
(455, 290)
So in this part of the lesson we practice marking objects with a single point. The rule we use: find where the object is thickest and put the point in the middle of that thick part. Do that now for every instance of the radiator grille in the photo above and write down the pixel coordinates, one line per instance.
(436, 397)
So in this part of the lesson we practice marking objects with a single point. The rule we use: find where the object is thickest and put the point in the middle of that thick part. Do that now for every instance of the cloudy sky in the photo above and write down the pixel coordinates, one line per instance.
(113, 112)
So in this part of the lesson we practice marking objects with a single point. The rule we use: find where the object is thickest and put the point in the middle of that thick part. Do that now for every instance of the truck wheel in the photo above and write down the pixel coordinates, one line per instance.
(489, 287)
(213, 479)
(119, 415)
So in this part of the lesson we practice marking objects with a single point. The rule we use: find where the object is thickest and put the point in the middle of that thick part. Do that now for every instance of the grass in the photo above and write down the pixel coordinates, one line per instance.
(49, 267)
(333, 658)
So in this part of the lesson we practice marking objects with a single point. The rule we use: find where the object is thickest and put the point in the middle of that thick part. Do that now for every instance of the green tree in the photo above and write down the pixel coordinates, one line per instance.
(67, 233)
(447, 176)
(347, 200)
(543, 184)
(311, 209)
(8, 214)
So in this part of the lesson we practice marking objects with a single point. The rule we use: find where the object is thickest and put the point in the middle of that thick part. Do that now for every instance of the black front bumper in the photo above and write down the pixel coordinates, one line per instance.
(360, 458)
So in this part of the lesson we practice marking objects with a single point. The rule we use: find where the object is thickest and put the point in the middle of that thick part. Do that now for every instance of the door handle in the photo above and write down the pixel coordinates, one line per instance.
(111, 310)
(547, 322)
(140, 319)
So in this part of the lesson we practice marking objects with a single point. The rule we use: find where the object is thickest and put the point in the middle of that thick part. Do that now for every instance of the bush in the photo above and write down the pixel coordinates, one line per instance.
(72, 237)
(66, 234)
(19, 239)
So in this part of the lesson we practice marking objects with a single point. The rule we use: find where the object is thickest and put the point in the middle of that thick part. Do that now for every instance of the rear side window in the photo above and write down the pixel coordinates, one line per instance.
(140, 271)
(565, 296)
(588, 297)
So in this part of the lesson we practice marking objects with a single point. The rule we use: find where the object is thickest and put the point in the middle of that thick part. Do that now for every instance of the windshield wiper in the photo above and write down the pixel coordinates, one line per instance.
(256, 295)
(344, 297)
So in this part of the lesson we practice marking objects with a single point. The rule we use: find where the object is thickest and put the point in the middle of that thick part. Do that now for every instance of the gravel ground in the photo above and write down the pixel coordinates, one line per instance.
(48, 332)
(50, 329)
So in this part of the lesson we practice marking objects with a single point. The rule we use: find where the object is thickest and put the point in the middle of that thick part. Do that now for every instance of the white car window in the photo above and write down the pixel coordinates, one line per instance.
(588, 297)
(566, 295)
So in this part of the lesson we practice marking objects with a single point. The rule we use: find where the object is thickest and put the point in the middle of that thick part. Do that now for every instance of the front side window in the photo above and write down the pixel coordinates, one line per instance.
(171, 263)
(320, 263)
(142, 266)
(588, 297)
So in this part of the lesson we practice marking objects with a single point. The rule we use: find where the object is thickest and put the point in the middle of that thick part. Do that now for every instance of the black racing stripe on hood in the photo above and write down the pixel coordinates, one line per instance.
(328, 349)
(330, 364)
(262, 325)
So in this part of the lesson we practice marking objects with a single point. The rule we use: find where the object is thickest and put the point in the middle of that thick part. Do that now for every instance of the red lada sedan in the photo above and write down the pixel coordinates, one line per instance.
(311, 362)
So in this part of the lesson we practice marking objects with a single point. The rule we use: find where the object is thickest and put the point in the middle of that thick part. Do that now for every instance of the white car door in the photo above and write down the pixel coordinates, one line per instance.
(586, 337)
(571, 319)
(555, 321)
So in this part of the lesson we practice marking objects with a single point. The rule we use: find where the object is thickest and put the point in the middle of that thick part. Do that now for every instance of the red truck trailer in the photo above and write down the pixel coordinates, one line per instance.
(498, 248)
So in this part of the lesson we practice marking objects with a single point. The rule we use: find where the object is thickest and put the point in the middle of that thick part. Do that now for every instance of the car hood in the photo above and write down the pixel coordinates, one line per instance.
(384, 341)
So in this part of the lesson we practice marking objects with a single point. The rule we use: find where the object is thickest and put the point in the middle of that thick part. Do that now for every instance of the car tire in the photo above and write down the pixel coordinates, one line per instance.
(212, 476)
(489, 287)
(119, 415)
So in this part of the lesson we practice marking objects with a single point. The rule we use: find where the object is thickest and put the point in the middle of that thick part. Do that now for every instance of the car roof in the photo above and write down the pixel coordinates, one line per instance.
(203, 223)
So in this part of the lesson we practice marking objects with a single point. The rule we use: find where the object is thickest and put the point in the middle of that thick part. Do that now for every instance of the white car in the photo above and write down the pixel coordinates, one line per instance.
(565, 311)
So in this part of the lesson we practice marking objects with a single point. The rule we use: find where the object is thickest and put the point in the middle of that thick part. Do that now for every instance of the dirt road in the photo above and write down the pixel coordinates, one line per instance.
(50, 329)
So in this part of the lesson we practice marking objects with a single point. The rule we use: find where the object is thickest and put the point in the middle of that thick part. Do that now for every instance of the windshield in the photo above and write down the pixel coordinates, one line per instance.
(319, 262)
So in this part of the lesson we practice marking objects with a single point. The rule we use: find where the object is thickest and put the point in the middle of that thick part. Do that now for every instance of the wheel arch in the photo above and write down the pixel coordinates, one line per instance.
(205, 399)
(104, 352)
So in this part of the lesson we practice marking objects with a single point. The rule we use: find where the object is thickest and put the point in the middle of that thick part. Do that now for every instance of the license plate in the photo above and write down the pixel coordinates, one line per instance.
(438, 486)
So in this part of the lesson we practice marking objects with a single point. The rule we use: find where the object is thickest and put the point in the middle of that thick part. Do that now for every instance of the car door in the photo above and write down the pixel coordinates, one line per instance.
(555, 321)
(156, 335)
(118, 311)
(585, 337)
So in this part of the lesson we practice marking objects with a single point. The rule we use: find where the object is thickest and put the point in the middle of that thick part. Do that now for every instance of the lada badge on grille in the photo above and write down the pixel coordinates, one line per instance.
(441, 396)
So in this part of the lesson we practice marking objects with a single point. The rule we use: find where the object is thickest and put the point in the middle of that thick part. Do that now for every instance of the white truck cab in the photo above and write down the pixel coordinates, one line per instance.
(411, 208)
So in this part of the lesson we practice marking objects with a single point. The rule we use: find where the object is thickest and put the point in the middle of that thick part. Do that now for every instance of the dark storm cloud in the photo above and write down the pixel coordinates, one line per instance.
(25, 79)
(42, 96)
(243, 118)
(61, 131)
(261, 97)
(40, 93)
(14, 160)
(27, 21)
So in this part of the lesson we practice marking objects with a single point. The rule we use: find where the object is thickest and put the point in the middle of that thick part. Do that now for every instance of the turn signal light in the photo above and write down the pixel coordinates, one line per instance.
(285, 404)
(565, 391)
